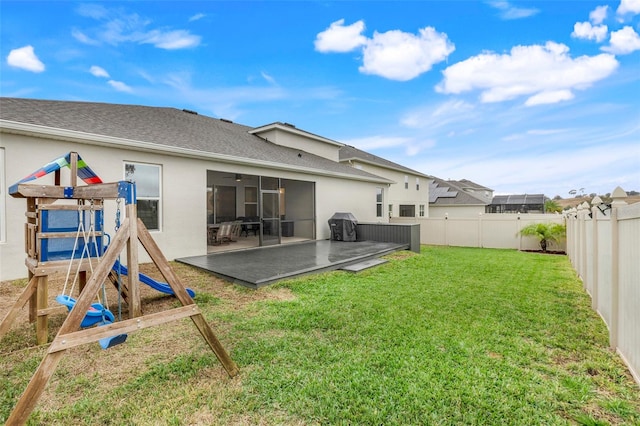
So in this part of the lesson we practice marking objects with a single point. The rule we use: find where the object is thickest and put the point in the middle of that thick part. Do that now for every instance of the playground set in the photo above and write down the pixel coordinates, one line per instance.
(64, 233)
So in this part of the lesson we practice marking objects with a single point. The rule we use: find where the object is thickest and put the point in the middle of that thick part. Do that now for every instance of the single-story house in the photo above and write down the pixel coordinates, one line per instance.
(457, 198)
(517, 203)
(192, 171)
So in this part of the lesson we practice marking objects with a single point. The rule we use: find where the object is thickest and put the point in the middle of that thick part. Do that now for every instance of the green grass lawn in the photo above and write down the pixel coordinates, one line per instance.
(452, 336)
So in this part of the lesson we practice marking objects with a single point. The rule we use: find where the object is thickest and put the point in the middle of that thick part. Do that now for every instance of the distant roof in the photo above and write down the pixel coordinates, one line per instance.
(449, 192)
(171, 130)
(348, 153)
(466, 183)
(519, 199)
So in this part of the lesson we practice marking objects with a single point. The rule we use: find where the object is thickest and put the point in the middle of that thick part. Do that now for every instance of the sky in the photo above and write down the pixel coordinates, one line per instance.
(518, 96)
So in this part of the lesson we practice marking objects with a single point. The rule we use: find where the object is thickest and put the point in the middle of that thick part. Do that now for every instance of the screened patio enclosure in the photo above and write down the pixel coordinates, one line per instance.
(270, 210)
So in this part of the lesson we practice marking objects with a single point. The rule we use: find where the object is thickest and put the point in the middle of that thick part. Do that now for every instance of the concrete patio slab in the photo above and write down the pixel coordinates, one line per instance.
(262, 266)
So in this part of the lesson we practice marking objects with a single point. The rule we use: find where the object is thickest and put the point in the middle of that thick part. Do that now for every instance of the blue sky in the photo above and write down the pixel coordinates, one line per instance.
(521, 96)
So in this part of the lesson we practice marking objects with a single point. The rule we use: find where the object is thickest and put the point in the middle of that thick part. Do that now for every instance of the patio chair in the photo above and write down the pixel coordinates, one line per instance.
(224, 233)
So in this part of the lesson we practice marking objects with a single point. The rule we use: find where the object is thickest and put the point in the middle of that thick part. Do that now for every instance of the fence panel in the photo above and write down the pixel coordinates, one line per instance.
(605, 252)
(602, 296)
(628, 333)
(492, 230)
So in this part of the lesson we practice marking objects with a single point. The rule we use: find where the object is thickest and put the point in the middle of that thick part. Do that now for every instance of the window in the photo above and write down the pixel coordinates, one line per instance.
(390, 210)
(251, 201)
(3, 200)
(407, 210)
(406, 182)
(148, 190)
(378, 202)
(224, 203)
(417, 184)
(421, 210)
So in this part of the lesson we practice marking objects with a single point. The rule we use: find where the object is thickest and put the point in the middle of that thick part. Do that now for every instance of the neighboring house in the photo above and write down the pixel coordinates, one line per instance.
(406, 196)
(519, 203)
(457, 198)
(191, 171)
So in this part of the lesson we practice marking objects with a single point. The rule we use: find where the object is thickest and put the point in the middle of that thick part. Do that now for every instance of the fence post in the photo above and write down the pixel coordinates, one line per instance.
(582, 212)
(596, 252)
(480, 229)
(446, 225)
(618, 195)
(613, 330)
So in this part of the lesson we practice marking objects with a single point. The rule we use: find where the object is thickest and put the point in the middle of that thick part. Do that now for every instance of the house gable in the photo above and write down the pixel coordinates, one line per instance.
(285, 134)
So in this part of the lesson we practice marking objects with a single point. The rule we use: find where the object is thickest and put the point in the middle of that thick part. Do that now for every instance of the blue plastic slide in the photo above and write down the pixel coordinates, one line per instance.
(156, 285)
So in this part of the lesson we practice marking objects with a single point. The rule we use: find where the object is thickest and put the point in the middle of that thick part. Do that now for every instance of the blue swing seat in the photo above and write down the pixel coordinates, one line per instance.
(109, 342)
(97, 312)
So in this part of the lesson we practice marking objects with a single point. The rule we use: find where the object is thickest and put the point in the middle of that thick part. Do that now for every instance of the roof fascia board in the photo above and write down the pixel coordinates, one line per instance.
(294, 130)
(383, 166)
(35, 130)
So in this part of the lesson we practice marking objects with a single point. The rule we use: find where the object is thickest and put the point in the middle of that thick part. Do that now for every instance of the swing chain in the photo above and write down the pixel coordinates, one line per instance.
(118, 200)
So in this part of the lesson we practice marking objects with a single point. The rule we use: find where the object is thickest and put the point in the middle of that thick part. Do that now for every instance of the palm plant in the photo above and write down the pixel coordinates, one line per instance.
(545, 233)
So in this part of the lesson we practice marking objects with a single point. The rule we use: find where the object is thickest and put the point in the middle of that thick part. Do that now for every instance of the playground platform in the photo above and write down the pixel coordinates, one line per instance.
(262, 266)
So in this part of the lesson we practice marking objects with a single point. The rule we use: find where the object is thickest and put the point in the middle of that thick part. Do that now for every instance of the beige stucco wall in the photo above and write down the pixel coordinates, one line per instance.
(184, 185)
(301, 142)
(396, 193)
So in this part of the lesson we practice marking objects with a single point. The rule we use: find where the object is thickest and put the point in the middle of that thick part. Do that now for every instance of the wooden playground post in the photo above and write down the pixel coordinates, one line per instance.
(70, 333)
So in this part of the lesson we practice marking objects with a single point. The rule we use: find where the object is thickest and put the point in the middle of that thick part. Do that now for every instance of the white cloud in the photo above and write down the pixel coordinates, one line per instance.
(549, 97)
(397, 55)
(587, 31)
(118, 27)
(120, 86)
(629, 6)
(377, 142)
(433, 117)
(94, 11)
(623, 42)
(340, 38)
(25, 58)
(544, 74)
(197, 17)
(599, 14)
(508, 11)
(83, 38)
(411, 146)
(171, 40)
(269, 79)
(98, 71)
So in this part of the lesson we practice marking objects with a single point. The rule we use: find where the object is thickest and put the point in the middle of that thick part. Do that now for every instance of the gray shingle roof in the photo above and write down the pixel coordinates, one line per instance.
(449, 192)
(348, 152)
(168, 127)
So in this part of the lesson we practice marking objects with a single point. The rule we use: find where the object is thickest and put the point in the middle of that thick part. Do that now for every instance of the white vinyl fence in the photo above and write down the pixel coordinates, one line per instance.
(491, 230)
(603, 245)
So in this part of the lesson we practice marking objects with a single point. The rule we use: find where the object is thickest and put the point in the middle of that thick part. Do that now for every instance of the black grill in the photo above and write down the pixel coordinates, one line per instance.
(343, 227)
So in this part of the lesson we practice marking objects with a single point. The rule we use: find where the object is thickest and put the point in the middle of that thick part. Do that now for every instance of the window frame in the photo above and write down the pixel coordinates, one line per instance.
(379, 201)
(403, 210)
(148, 198)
